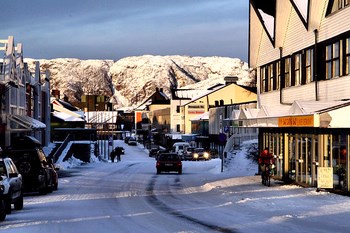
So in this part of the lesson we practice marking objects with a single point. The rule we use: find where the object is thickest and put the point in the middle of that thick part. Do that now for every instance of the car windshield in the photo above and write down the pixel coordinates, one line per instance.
(169, 157)
(199, 150)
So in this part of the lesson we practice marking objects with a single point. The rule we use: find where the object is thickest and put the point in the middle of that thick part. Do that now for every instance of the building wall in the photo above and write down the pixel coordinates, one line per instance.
(230, 94)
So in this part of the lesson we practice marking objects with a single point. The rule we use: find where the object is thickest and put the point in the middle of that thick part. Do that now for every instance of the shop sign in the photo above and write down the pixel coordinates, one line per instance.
(196, 111)
(296, 121)
(324, 177)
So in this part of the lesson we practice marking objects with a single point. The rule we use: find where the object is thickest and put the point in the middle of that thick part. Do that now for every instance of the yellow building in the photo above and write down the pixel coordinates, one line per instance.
(231, 93)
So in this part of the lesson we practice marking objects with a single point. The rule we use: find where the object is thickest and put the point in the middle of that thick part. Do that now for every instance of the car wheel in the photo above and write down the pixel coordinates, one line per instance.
(8, 206)
(180, 171)
(19, 203)
(55, 187)
(2, 210)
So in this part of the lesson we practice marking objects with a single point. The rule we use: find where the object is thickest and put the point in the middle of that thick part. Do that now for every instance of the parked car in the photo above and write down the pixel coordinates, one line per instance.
(188, 153)
(200, 154)
(168, 162)
(11, 186)
(3, 187)
(31, 162)
(126, 139)
(132, 141)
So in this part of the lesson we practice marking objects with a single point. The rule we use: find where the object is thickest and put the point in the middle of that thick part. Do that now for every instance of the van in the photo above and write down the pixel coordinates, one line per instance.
(179, 148)
(30, 160)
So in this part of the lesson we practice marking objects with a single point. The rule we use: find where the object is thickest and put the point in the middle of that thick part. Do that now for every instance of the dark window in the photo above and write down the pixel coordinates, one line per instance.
(332, 60)
(297, 69)
(271, 77)
(309, 63)
(178, 109)
(177, 128)
(287, 80)
(336, 5)
(279, 73)
(263, 79)
(347, 56)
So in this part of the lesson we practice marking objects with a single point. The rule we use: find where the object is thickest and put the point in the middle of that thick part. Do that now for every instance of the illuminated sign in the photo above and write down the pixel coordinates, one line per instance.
(296, 121)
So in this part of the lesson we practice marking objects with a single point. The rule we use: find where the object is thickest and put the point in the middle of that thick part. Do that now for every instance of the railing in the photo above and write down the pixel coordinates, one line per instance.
(59, 151)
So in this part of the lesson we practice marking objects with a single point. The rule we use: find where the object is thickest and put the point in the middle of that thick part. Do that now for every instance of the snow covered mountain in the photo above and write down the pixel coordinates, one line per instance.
(129, 81)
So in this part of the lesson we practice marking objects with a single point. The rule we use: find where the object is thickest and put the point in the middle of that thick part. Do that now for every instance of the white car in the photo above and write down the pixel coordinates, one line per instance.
(11, 187)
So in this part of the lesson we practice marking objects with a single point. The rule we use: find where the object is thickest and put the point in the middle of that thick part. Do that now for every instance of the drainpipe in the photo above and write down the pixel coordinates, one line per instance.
(315, 65)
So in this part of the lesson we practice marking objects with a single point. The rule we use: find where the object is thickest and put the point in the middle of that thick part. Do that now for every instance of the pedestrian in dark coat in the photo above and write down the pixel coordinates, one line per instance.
(113, 154)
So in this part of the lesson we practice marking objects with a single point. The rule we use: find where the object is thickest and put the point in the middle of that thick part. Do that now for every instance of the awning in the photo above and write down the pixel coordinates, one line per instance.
(24, 122)
(326, 114)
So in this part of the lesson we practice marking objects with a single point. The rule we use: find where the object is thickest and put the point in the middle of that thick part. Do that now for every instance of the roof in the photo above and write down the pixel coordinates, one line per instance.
(26, 122)
(204, 116)
(215, 90)
(67, 117)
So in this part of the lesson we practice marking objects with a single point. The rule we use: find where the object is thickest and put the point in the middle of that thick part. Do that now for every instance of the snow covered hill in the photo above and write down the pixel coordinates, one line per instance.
(129, 81)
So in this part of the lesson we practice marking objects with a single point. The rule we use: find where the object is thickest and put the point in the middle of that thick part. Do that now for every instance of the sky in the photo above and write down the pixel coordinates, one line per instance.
(113, 29)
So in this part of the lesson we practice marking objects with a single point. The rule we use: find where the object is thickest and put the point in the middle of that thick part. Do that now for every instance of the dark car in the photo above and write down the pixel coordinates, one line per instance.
(200, 154)
(168, 162)
(31, 162)
(12, 183)
(161, 151)
(126, 139)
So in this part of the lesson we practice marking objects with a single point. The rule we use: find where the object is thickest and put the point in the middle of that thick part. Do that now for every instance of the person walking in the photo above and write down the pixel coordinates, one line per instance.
(112, 155)
(118, 152)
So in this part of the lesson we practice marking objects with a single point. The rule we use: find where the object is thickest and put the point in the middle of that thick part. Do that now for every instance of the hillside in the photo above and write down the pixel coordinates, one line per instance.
(129, 81)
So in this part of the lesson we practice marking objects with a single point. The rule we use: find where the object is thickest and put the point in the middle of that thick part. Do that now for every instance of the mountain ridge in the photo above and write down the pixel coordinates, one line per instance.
(131, 80)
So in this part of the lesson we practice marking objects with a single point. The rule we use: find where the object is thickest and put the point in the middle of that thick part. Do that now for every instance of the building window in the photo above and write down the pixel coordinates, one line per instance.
(309, 63)
(297, 69)
(178, 109)
(271, 77)
(336, 5)
(279, 73)
(178, 128)
(332, 61)
(263, 80)
(287, 81)
(347, 56)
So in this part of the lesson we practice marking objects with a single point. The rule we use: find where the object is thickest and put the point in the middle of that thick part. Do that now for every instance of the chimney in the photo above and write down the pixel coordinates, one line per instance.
(230, 80)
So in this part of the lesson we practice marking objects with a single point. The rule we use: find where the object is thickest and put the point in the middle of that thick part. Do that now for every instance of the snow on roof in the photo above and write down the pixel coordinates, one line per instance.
(66, 117)
(203, 116)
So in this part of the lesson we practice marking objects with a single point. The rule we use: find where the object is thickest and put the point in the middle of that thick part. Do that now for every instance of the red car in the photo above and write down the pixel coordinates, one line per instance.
(168, 162)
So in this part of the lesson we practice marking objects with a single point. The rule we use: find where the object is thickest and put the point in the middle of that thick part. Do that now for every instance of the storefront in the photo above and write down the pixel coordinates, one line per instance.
(303, 143)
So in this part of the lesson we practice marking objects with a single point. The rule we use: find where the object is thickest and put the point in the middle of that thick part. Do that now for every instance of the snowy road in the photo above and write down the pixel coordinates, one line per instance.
(130, 197)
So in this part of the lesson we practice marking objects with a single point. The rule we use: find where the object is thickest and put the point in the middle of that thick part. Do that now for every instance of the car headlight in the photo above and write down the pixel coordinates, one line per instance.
(195, 155)
(206, 155)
